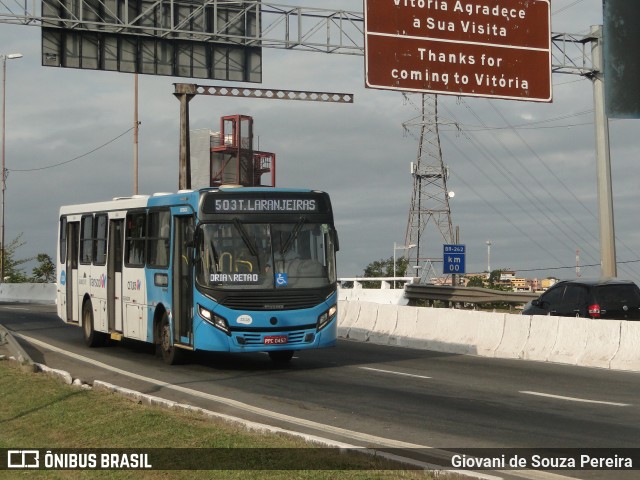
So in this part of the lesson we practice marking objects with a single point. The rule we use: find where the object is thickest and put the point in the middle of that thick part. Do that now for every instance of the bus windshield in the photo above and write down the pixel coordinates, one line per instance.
(237, 255)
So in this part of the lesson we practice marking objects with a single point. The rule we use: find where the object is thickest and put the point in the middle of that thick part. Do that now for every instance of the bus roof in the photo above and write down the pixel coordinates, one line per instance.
(165, 198)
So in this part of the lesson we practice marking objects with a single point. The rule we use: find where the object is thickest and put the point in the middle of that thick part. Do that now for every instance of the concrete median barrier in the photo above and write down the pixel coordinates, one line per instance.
(628, 355)
(576, 341)
(386, 321)
(406, 327)
(457, 331)
(571, 340)
(543, 333)
(44, 293)
(365, 324)
(514, 337)
(490, 332)
(602, 343)
(347, 316)
(426, 333)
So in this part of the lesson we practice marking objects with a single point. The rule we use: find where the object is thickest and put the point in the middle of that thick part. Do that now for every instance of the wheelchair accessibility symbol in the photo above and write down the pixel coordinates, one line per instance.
(281, 279)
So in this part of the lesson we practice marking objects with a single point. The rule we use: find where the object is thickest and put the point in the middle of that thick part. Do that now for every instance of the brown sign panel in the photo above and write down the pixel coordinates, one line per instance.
(429, 66)
(472, 47)
(523, 23)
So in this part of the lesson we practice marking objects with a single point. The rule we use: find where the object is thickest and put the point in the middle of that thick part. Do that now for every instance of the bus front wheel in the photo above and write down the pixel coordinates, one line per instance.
(91, 337)
(170, 354)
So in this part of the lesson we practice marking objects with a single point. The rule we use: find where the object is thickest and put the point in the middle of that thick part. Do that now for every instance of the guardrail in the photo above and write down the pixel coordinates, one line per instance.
(385, 282)
(447, 293)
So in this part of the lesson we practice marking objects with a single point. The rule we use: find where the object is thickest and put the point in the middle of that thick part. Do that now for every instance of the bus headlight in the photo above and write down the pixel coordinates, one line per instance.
(326, 317)
(213, 319)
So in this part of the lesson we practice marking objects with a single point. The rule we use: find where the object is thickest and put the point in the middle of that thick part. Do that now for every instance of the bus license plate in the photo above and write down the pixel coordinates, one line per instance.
(276, 339)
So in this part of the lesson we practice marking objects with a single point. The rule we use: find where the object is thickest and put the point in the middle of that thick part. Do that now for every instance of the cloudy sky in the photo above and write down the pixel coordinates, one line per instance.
(523, 173)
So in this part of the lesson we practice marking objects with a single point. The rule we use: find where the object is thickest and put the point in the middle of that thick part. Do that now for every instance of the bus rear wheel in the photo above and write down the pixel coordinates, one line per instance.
(91, 337)
(281, 356)
(170, 354)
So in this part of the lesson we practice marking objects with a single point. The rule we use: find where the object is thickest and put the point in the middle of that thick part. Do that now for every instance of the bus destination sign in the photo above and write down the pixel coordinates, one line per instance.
(226, 204)
(486, 48)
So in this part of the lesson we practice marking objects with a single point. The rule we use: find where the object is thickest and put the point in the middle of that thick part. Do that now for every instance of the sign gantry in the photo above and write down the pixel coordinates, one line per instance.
(280, 26)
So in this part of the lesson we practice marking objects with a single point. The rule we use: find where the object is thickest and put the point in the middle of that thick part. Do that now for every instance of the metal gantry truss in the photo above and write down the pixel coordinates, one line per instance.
(280, 26)
(185, 92)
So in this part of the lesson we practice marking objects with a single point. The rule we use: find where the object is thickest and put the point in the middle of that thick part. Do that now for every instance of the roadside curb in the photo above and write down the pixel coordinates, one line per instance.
(17, 352)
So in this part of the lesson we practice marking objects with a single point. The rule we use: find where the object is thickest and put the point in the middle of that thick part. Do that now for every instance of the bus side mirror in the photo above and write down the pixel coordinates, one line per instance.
(336, 240)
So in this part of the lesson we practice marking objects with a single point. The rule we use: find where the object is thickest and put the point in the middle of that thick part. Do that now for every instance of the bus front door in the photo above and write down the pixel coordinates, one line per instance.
(183, 280)
(114, 275)
(73, 312)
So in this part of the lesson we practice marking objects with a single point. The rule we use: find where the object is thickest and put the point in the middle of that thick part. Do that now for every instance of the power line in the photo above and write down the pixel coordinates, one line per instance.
(530, 125)
(559, 224)
(566, 7)
(512, 179)
(558, 202)
(570, 267)
(73, 159)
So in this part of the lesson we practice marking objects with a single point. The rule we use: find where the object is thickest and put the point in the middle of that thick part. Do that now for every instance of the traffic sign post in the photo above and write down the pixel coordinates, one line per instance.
(475, 48)
(453, 259)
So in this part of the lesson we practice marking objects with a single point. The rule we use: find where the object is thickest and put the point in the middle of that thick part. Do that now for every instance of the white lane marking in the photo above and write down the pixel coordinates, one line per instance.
(393, 372)
(574, 399)
(14, 308)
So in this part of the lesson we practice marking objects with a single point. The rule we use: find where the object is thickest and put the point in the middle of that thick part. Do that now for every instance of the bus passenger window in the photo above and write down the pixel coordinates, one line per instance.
(86, 239)
(158, 239)
(135, 239)
(100, 240)
(63, 240)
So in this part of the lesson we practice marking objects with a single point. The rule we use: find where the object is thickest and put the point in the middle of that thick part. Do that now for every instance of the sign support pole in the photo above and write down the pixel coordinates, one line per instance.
(185, 93)
(603, 160)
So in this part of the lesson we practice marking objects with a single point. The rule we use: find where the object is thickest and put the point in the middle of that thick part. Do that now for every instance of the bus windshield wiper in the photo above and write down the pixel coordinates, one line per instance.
(292, 236)
(245, 237)
(215, 253)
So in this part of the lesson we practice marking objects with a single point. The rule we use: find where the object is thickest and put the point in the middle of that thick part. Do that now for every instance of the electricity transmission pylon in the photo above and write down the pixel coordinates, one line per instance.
(430, 197)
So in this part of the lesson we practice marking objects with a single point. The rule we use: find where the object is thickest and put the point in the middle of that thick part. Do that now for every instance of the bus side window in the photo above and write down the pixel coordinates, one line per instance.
(135, 239)
(100, 239)
(63, 240)
(86, 239)
(158, 239)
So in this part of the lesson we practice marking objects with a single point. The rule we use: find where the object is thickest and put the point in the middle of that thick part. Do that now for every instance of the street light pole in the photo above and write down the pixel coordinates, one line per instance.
(489, 257)
(10, 56)
(401, 247)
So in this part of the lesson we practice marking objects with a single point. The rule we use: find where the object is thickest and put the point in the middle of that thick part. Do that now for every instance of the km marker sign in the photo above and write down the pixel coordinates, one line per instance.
(475, 48)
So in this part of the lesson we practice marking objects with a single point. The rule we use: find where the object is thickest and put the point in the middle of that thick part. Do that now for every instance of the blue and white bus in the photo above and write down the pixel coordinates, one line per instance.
(218, 269)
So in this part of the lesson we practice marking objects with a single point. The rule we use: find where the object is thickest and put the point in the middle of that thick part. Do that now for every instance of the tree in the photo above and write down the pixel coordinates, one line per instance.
(45, 272)
(475, 281)
(384, 268)
(13, 272)
(494, 281)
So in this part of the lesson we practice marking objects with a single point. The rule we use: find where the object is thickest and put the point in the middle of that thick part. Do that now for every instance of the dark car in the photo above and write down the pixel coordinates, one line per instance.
(603, 298)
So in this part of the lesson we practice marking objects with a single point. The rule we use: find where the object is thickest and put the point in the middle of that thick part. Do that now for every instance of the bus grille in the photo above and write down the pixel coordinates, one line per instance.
(256, 338)
(248, 301)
